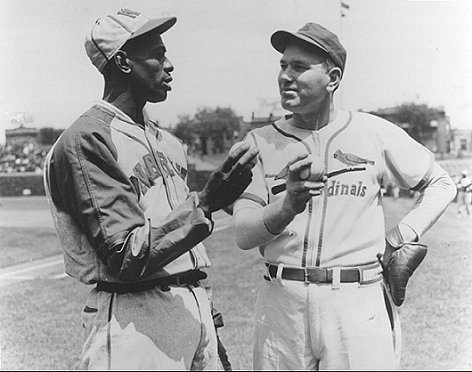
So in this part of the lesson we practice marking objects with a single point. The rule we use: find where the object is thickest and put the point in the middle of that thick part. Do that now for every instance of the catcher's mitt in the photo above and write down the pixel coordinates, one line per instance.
(398, 266)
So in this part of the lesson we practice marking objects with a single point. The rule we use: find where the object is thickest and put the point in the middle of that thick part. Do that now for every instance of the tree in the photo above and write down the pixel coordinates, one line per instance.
(209, 126)
(48, 135)
(185, 129)
(414, 118)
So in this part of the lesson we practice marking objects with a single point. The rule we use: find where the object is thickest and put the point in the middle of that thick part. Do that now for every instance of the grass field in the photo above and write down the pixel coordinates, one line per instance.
(41, 328)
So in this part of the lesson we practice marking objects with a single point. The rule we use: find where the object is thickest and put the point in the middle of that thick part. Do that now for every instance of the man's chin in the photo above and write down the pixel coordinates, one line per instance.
(289, 105)
(158, 98)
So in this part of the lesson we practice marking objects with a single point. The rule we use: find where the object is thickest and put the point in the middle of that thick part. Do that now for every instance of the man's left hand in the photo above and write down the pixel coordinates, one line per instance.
(398, 266)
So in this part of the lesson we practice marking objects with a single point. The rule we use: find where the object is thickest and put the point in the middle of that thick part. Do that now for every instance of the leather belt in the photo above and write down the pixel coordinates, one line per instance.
(183, 279)
(364, 274)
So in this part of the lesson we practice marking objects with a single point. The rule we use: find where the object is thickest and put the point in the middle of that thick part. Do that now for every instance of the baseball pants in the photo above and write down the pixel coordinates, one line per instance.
(152, 330)
(302, 326)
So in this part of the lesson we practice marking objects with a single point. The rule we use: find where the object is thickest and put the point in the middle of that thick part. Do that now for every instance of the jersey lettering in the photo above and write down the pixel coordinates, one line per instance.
(337, 188)
(142, 176)
(165, 164)
(146, 172)
(151, 168)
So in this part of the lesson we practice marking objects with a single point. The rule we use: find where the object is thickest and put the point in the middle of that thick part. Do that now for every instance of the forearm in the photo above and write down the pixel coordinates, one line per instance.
(433, 200)
(255, 225)
(148, 248)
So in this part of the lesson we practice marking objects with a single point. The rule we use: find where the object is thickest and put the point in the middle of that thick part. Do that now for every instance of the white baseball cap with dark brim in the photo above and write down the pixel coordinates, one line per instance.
(111, 32)
(315, 35)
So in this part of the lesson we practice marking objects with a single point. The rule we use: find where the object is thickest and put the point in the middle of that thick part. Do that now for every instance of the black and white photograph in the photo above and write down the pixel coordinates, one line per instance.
(229, 185)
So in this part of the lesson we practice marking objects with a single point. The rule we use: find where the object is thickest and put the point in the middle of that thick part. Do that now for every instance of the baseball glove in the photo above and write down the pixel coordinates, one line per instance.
(399, 265)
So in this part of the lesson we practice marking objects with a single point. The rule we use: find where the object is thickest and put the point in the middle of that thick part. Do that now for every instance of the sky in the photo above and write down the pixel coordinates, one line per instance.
(398, 51)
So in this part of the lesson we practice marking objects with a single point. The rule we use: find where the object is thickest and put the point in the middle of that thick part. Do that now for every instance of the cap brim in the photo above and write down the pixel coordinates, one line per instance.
(160, 25)
(280, 40)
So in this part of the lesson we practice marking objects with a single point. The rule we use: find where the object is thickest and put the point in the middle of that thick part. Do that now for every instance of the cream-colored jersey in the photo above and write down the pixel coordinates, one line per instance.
(345, 225)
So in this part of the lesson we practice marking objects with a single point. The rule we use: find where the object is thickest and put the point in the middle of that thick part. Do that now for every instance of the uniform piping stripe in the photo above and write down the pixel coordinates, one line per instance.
(96, 45)
(110, 313)
(392, 166)
(164, 180)
(325, 193)
(254, 198)
(425, 178)
(307, 232)
(90, 191)
(121, 24)
(131, 136)
(259, 158)
(283, 133)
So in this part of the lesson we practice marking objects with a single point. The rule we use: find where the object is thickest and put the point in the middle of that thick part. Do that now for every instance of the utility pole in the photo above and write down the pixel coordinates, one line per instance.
(343, 7)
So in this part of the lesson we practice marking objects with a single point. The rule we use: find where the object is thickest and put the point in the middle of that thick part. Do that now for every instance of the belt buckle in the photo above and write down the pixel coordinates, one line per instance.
(305, 272)
(315, 279)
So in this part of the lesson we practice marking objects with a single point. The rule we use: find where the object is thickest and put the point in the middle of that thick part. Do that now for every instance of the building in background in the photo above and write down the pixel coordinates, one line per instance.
(21, 135)
(461, 142)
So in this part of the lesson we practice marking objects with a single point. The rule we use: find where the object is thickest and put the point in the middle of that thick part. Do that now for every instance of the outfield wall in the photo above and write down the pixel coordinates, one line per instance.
(17, 184)
(29, 183)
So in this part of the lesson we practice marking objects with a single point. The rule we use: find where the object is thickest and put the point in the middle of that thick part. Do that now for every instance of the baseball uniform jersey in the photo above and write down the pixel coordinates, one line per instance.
(341, 326)
(124, 214)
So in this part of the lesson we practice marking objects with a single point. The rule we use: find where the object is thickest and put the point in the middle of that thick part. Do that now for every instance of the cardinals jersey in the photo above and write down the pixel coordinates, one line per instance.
(345, 225)
(116, 187)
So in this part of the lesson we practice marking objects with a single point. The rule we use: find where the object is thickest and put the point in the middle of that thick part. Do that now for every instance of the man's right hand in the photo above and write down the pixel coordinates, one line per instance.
(300, 191)
(229, 180)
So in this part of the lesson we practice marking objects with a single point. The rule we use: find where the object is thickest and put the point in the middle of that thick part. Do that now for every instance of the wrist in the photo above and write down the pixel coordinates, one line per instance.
(277, 216)
(289, 208)
(401, 234)
(203, 204)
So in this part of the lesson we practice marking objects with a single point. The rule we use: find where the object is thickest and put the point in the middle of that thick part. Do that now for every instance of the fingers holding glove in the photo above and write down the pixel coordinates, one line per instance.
(399, 264)
(230, 179)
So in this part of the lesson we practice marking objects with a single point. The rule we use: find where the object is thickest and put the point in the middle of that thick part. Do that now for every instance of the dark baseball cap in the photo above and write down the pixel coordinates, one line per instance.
(315, 35)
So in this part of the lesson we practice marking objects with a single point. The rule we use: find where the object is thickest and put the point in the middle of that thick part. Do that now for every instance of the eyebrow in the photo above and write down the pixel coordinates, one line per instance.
(300, 60)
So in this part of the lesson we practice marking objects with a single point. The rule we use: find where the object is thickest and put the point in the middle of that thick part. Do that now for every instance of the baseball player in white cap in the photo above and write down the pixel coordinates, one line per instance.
(124, 215)
(464, 194)
(314, 210)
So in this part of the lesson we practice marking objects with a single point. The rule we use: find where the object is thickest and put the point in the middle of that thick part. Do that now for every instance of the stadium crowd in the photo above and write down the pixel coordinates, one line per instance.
(26, 157)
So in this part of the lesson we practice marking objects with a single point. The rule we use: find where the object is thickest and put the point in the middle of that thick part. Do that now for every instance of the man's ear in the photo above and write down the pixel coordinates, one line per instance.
(335, 75)
(122, 61)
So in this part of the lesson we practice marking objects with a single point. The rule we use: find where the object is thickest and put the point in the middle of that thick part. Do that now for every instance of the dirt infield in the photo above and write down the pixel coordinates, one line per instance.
(40, 325)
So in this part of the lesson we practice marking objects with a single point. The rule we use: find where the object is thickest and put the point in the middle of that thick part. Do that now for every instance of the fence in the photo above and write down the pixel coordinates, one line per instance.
(30, 183)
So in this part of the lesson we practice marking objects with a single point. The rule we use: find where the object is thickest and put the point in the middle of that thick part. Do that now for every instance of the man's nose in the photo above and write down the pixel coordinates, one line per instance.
(168, 66)
(285, 76)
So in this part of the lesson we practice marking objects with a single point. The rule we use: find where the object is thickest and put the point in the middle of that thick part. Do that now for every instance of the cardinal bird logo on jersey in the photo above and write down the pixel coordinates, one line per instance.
(351, 159)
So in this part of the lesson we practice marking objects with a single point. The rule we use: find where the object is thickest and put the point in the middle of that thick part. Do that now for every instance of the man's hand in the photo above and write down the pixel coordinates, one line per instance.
(398, 266)
(229, 180)
(300, 191)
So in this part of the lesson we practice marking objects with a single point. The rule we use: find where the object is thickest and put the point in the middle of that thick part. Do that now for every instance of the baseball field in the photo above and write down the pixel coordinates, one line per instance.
(40, 327)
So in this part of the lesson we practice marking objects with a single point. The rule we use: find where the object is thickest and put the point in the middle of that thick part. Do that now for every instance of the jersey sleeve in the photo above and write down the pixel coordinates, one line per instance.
(407, 163)
(256, 193)
(87, 183)
(410, 165)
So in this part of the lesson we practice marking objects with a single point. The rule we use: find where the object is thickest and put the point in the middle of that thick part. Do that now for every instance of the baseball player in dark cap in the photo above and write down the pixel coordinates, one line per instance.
(127, 223)
(333, 277)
